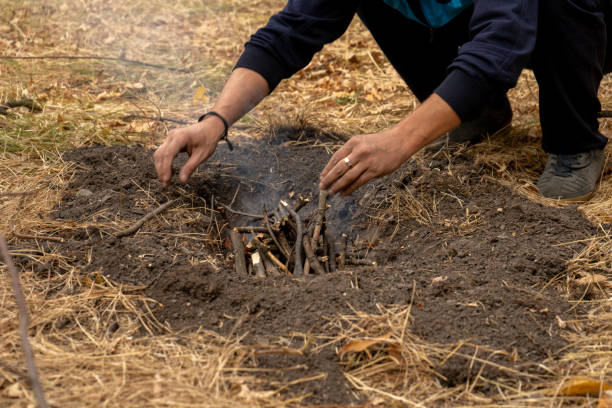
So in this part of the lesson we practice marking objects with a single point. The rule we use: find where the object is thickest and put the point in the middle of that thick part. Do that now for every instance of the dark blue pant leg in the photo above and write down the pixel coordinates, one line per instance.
(420, 55)
(568, 63)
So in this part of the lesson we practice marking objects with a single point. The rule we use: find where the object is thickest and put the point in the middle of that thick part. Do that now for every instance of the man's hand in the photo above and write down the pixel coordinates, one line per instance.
(199, 141)
(365, 157)
(369, 156)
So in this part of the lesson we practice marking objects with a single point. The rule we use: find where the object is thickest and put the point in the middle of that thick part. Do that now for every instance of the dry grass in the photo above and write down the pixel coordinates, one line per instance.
(95, 342)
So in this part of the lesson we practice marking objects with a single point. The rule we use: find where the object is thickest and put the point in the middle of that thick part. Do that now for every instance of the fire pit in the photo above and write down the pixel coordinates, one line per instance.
(287, 242)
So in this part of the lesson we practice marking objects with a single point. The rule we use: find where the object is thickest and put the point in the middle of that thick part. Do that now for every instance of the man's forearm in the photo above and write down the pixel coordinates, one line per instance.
(242, 92)
(428, 122)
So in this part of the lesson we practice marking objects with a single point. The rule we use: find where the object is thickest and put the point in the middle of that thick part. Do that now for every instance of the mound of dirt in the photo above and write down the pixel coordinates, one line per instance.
(475, 257)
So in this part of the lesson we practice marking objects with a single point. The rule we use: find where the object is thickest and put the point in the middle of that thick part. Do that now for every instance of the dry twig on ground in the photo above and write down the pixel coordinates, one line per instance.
(23, 325)
(138, 224)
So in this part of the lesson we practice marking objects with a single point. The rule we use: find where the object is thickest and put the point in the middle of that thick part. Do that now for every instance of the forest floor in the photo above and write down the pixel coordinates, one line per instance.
(472, 289)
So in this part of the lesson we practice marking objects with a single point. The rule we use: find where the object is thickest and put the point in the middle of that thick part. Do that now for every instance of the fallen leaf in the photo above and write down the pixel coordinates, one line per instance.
(357, 346)
(583, 385)
(199, 96)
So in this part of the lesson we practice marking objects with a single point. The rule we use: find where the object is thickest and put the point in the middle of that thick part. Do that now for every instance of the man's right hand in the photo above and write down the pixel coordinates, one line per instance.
(199, 141)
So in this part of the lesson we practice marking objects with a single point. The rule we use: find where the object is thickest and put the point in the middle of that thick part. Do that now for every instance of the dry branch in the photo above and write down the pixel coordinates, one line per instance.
(239, 258)
(322, 207)
(138, 224)
(268, 227)
(26, 102)
(93, 57)
(251, 230)
(37, 237)
(23, 325)
(158, 119)
(266, 251)
(299, 233)
(331, 252)
(312, 259)
(258, 265)
(228, 208)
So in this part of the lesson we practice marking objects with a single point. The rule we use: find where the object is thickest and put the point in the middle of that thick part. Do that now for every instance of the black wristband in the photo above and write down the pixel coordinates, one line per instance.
(224, 136)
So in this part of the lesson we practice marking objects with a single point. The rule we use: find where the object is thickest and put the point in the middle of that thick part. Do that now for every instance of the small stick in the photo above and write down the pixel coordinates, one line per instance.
(343, 250)
(228, 208)
(159, 119)
(18, 193)
(23, 325)
(258, 265)
(298, 240)
(314, 262)
(301, 204)
(271, 269)
(307, 262)
(359, 262)
(37, 237)
(252, 230)
(331, 252)
(27, 102)
(138, 224)
(266, 251)
(320, 217)
(94, 57)
(239, 258)
(268, 227)
(285, 243)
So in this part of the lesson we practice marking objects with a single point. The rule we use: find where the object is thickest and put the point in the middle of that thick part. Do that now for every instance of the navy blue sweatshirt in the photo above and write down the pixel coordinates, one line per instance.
(503, 35)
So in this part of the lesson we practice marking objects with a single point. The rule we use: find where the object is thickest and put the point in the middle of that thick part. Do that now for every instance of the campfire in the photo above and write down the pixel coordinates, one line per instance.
(287, 242)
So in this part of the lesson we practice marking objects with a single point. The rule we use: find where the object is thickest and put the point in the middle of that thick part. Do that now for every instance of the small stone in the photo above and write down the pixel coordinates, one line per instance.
(84, 193)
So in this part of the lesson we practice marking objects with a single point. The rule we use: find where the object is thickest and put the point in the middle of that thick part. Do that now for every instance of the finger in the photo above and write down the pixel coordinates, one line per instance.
(164, 156)
(188, 168)
(334, 174)
(348, 178)
(343, 152)
(164, 174)
(361, 180)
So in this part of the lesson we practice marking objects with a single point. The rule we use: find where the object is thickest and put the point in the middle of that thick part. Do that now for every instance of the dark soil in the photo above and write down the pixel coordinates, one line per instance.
(482, 281)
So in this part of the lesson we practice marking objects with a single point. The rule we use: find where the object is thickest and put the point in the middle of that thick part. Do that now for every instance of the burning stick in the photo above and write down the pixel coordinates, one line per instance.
(312, 259)
(238, 246)
(298, 240)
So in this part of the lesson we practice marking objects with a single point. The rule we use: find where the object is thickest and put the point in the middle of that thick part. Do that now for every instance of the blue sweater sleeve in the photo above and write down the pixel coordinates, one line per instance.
(503, 36)
(291, 37)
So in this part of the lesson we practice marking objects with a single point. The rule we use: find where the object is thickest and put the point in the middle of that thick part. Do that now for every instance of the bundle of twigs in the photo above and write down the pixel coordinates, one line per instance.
(286, 242)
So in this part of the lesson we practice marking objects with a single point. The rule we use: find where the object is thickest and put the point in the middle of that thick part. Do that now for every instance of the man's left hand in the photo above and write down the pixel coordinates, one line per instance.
(363, 158)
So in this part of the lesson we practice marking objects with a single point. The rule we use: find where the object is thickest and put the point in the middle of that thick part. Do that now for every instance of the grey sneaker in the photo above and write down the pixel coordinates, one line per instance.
(493, 120)
(572, 177)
